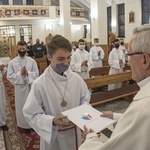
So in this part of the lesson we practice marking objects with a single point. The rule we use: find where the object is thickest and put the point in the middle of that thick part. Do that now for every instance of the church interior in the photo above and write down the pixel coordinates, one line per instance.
(29, 20)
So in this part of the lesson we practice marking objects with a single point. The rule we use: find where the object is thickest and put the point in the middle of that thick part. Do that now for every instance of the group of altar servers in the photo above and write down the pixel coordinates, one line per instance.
(39, 100)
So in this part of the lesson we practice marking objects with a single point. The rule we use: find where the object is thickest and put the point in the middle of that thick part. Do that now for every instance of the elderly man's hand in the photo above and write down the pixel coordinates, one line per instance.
(87, 131)
(108, 114)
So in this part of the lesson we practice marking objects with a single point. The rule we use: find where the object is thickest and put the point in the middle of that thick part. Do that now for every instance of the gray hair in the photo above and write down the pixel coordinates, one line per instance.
(140, 41)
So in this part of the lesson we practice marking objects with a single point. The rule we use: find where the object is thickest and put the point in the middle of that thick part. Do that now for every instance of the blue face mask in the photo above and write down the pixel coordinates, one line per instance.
(62, 67)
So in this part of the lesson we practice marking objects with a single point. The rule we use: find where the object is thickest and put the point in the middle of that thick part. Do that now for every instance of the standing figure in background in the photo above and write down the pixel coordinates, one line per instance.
(122, 48)
(116, 62)
(38, 49)
(87, 48)
(56, 90)
(44, 47)
(3, 125)
(47, 40)
(97, 54)
(29, 49)
(81, 61)
(111, 38)
(22, 71)
(74, 47)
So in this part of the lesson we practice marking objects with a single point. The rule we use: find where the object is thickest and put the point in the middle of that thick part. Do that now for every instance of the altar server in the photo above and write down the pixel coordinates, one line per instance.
(22, 71)
(56, 90)
(3, 125)
(81, 61)
(97, 54)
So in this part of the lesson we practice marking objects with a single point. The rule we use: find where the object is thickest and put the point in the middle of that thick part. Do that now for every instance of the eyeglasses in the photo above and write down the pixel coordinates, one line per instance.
(136, 53)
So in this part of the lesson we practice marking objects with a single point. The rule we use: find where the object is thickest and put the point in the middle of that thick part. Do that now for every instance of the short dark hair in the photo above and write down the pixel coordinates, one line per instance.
(58, 42)
(21, 43)
(115, 40)
(96, 39)
(81, 40)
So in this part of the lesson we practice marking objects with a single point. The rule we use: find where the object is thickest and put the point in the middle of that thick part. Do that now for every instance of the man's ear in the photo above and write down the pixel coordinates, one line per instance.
(146, 61)
(49, 57)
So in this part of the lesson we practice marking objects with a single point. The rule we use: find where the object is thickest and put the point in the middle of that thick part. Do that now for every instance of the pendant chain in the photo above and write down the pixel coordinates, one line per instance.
(64, 102)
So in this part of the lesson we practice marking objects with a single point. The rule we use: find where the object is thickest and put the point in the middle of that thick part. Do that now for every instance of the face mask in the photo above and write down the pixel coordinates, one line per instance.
(81, 47)
(117, 45)
(61, 67)
(96, 44)
(22, 53)
(122, 43)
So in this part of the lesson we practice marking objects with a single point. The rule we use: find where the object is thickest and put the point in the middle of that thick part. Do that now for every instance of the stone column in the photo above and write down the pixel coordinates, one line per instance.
(10, 2)
(24, 2)
(99, 20)
(65, 18)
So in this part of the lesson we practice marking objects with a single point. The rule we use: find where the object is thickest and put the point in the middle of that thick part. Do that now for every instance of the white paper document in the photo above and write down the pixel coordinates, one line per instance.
(89, 116)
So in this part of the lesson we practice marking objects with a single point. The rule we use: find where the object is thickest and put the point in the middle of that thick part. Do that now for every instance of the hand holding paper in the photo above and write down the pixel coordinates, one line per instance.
(89, 116)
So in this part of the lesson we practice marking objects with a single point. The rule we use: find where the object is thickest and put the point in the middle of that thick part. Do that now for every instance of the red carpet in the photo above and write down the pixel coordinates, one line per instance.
(16, 138)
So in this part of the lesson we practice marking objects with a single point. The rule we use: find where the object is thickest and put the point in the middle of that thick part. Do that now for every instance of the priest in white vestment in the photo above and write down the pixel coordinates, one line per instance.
(22, 71)
(81, 61)
(132, 130)
(56, 90)
(97, 54)
(116, 62)
(3, 125)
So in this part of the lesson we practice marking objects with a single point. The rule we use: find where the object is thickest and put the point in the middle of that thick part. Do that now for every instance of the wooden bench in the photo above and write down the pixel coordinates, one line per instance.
(42, 67)
(99, 71)
(104, 70)
(106, 96)
(39, 60)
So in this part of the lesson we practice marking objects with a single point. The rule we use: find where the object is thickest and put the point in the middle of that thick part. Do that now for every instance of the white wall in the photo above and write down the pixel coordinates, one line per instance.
(40, 29)
(130, 5)
(135, 6)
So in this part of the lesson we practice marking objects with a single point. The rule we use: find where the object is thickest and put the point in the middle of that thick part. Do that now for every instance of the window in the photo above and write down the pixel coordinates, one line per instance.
(4, 2)
(16, 2)
(30, 2)
(121, 20)
(26, 33)
(6, 33)
(109, 28)
(145, 11)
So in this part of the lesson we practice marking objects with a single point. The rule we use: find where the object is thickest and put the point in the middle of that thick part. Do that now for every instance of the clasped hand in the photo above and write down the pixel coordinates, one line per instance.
(84, 63)
(2, 67)
(24, 71)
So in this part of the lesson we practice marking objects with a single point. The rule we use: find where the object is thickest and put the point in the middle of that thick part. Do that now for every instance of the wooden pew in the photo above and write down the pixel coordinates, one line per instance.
(104, 70)
(106, 96)
(99, 71)
(42, 67)
(39, 60)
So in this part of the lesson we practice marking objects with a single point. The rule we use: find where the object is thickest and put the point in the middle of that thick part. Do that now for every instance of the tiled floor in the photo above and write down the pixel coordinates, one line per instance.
(2, 145)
